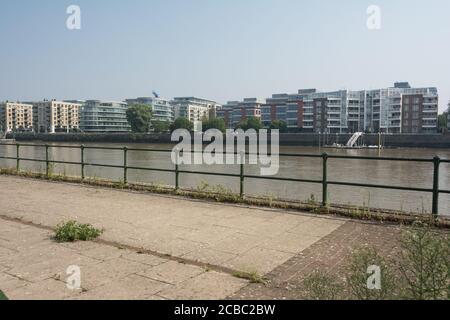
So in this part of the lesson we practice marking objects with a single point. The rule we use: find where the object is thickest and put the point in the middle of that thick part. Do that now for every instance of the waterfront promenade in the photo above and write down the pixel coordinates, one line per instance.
(163, 247)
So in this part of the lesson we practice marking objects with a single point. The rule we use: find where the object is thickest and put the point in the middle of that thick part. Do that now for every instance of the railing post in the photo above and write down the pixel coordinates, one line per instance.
(82, 161)
(435, 208)
(241, 176)
(325, 180)
(177, 173)
(47, 164)
(17, 157)
(125, 169)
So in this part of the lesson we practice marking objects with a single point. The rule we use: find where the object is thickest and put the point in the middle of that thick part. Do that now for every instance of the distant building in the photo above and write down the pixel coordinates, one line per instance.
(226, 113)
(194, 109)
(400, 109)
(448, 117)
(16, 116)
(55, 116)
(162, 109)
(104, 116)
(235, 111)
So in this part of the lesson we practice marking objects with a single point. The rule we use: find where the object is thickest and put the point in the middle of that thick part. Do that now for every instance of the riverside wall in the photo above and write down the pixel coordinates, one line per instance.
(286, 139)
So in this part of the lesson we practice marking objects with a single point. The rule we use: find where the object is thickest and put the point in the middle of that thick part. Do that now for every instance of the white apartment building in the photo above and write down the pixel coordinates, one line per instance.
(56, 116)
(194, 109)
(162, 109)
(16, 116)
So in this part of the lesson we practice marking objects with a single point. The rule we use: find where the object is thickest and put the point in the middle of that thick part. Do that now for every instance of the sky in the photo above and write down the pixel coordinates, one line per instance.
(219, 49)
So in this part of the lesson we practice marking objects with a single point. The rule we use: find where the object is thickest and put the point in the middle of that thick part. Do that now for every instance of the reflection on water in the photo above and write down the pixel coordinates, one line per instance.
(409, 174)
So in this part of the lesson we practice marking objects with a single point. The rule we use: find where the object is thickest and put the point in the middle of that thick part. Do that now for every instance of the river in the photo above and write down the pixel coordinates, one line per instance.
(410, 174)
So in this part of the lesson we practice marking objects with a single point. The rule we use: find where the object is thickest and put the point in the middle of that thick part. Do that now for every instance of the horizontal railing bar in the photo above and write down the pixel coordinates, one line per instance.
(150, 150)
(210, 173)
(282, 179)
(41, 145)
(31, 160)
(444, 191)
(151, 169)
(378, 186)
(63, 162)
(380, 158)
(104, 165)
(22, 144)
(103, 148)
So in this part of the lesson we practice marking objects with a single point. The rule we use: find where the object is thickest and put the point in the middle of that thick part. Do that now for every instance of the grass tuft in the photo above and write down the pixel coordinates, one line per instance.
(252, 276)
(73, 231)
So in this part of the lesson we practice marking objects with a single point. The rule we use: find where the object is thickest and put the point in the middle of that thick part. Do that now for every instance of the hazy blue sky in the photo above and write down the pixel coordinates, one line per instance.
(219, 49)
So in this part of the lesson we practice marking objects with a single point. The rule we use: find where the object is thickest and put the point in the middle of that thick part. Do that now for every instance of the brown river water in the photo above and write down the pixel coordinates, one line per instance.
(407, 174)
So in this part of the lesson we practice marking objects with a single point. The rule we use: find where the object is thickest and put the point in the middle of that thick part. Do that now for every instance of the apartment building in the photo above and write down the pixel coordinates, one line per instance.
(16, 116)
(235, 111)
(195, 109)
(448, 116)
(104, 116)
(162, 109)
(399, 109)
(56, 116)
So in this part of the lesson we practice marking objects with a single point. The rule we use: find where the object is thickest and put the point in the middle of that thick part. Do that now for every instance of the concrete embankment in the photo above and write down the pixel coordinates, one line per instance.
(286, 139)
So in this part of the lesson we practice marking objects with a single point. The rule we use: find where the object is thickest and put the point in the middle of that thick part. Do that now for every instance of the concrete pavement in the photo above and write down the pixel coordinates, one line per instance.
(193, 232)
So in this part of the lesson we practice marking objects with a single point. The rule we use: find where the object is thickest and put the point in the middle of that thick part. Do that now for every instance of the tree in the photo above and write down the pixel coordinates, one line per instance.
(214, 123)
(443, 121)
(278, 124)
(250, 123)
(160, 126)
(139, 116)
(182, 123)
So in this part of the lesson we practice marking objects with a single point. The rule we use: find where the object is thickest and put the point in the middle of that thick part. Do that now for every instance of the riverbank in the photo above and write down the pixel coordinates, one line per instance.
(286, 139)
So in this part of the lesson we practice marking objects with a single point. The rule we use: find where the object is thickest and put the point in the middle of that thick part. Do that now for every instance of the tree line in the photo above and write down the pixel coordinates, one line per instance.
(139, 117)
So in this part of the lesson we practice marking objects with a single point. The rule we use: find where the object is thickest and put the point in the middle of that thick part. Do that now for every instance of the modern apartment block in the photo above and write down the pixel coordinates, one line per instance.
(104, 116)
(162, 109)
(55, 116)
(235, 111)
(400, 109)
(16, 116)
(194, 109)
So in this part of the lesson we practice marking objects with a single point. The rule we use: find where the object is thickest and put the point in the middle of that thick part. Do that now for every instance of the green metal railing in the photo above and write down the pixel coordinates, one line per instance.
(434, 190)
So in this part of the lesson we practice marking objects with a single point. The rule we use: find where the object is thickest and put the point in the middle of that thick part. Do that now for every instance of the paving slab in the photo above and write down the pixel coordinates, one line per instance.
(220, 234)
(107, 272)
(172, 272)
(209, 285)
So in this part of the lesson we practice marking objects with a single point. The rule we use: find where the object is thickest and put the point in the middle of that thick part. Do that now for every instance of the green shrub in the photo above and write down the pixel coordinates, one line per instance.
(321, 286)
(357, 276)
(72, 231)
(425, 263)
